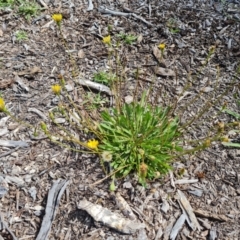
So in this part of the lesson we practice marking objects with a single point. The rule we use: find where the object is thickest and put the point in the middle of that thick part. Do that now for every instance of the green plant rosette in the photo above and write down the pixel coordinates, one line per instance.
(138, 134)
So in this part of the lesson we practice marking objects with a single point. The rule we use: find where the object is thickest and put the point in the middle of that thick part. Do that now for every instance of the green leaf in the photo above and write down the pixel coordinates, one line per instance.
(230, 144)
(234, 114)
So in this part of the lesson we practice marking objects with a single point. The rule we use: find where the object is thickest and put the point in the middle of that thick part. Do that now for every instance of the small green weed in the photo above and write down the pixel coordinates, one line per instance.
(173, 26)
(28, 9)
(6, 3)
(21, 36)
(127, 38)
(104, 77)
(141, 139)
(94, 101)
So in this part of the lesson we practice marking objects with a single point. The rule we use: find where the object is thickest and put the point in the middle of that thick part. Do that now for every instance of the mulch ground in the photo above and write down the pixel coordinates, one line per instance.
(29, 69)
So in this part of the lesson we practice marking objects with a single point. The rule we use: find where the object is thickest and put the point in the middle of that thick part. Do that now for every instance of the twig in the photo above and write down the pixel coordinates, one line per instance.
(6, 226)
(9, 152)
(109, 175)
(39, 113)
(17, 200)
(43, 4)
(116, 13)
(142, 19)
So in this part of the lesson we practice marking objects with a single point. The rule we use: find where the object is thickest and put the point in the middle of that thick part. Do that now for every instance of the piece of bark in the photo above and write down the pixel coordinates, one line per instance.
(158, 55)
(4, 224)
(213, 234)
(110, 219)
(97, 86)
(205, 214)
(90, 5)
(177, 227)
(166, 72)
(186, 181)
(11, 143)
(54, 196)
(186, 207)
(30, 71)
(124, 207)
(168, 228)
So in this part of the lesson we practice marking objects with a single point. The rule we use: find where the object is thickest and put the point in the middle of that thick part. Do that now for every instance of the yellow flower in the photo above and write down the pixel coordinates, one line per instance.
(2, 105)
(57, 17)
(107, 39)
(93, 144)
(161, 46)
(56, 89)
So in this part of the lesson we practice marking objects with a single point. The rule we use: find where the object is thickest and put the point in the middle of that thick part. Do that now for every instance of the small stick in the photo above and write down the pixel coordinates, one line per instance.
(116, 13)
(17, 200)
(43, 4)
(9, 152)
(39, 113)
(6, 226)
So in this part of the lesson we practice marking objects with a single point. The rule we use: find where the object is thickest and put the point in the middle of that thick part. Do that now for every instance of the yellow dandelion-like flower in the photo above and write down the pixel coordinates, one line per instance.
(56, 89)
(2, 105)
(161, 46)
(107, 39)
(57, 17)
(93, 144)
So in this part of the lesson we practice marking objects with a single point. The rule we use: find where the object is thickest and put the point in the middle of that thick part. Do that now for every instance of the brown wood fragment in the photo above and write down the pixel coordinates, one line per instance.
(166, 72)
(186, 207)
(53, 201)
(110, 219)
(30, 71)
(158, 55)
(124, 207)
(205, 214)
